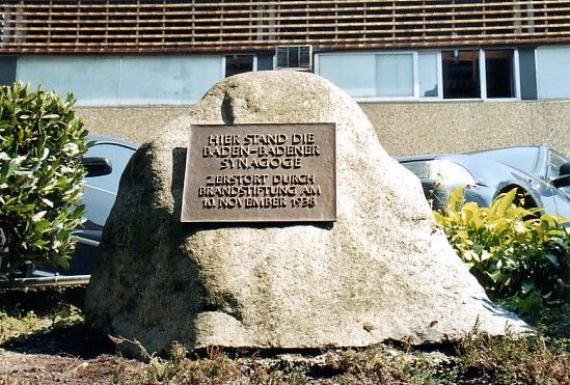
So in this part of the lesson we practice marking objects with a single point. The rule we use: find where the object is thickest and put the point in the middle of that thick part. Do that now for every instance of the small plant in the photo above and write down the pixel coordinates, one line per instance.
(377, 365)
(515, 253)
(67, 315)
(41, 145)
(218, 368)
(513, 360)
(12, 326)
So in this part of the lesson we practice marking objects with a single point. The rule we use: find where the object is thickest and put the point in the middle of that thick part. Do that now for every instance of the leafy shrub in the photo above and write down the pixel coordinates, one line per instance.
(514, 252)
(41, 145)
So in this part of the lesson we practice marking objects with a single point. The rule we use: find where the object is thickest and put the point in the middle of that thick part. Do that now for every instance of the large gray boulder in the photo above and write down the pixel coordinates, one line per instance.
(382, 271)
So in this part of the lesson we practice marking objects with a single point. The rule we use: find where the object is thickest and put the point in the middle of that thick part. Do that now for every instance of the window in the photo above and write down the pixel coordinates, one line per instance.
(295, 57)
(118, 156)
(373, 75)
(237, 64)
(100, 191)
(395, 75)
(264, 62)
(499, 70)
(425, 75)
(167, 79)
(465, 78)
(527, 69)
(7, 70)
(553, 72)
(461, 74)
(428, 74)
(124, 80)
(354, 73)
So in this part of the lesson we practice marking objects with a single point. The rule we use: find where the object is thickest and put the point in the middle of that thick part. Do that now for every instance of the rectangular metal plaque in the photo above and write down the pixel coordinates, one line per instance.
(260, 173)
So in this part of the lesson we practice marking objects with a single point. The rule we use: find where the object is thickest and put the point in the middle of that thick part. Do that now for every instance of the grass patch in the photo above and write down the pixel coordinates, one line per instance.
(381, 365)
(22, 316)
(478, 359)
(17, 325)
(217, 368)
(508, 360)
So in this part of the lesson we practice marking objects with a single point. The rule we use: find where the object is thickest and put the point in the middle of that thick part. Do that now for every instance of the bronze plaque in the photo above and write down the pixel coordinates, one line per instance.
(260, 173)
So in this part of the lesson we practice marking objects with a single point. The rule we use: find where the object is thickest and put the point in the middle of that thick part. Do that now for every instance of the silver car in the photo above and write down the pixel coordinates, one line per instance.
(104, 162)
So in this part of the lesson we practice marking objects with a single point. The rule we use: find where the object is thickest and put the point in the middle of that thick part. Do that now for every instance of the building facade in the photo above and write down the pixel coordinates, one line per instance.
(430, 63)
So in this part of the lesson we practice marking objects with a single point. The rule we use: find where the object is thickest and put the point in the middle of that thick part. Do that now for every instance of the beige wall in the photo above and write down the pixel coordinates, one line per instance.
(403, 128)
(457, 127)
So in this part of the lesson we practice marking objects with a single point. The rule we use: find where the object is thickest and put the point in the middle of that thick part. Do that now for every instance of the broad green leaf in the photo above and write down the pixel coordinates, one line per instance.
(504, 202)
(41, 144)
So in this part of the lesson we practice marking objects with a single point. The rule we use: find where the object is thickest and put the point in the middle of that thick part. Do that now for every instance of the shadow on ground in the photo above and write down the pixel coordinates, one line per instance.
(58, 327)
(77, 341)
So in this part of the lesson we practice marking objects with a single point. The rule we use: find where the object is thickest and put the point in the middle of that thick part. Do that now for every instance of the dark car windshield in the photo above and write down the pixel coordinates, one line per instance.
(522, 158)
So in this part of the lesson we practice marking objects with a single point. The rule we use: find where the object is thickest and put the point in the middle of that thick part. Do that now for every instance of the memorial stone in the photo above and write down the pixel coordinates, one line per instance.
(368, 265)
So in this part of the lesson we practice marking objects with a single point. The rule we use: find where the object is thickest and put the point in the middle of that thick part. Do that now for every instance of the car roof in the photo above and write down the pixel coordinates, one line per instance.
(111, 139)
(505, 148)
(416, 158)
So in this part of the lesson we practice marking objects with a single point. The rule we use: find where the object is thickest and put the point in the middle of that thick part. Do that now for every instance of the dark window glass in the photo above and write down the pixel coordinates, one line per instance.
(293, 57)
(7, 70)
(527, 66)
(237, 64)
(499, 66)
(264, 62)
(461, 74)
(420, 168)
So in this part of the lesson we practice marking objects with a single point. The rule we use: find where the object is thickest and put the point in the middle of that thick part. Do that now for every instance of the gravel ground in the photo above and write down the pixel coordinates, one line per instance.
(47, 369)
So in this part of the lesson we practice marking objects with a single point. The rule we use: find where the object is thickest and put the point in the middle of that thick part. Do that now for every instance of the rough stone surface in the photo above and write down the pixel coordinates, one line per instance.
(383, 271)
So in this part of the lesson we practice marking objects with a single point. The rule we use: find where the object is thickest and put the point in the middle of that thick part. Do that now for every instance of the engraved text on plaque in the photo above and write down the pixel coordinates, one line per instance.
(260, 173)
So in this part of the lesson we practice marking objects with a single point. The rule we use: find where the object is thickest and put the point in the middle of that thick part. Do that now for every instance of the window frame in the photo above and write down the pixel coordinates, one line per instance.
(442, 99)
(439, 98)
(552, 152)
(483, 75)
(88, 179)
(539, 71)
(439, 66)
(415, 73)
(225, 56)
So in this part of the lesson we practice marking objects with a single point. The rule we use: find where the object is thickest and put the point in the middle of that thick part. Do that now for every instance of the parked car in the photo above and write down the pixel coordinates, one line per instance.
(104, 162)
(540, 174)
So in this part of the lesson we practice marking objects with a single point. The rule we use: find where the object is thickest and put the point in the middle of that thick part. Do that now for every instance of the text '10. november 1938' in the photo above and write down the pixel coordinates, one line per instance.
(260, 173)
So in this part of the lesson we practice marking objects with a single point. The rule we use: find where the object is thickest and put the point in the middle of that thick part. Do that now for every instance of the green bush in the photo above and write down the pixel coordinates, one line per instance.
(516, 253)
(41, 145)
